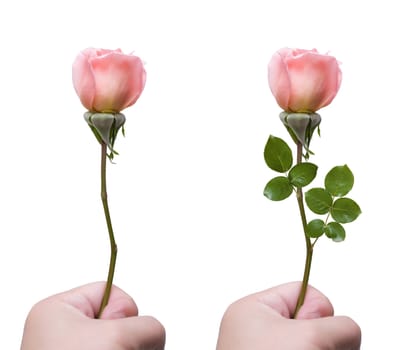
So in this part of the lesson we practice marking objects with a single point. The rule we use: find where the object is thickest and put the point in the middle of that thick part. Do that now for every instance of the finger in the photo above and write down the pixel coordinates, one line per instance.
(283, 299)
(144, 332)
(339, 332)
(87, 299)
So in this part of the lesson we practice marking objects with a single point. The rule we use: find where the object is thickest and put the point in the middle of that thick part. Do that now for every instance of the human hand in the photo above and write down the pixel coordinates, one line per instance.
(66, 322)
(262, 321)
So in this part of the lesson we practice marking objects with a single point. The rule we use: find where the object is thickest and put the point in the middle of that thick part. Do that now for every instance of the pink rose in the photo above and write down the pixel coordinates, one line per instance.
(303, 80)
(108, 80)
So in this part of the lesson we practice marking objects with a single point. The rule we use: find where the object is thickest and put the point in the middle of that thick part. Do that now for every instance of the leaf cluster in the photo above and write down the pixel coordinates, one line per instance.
(329, 200)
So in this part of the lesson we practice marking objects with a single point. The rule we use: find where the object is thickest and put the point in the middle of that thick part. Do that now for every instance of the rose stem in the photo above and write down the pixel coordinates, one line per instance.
(309, 246)
(113, 256)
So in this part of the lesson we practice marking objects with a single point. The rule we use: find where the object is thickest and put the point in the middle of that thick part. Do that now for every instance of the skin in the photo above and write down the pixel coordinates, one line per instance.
(67, 321)
(262, 321)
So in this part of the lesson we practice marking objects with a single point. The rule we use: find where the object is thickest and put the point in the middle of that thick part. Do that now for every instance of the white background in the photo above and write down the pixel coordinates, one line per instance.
(193, 228)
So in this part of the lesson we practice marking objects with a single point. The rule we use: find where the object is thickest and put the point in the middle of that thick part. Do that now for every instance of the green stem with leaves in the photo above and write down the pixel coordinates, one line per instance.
(309, 245)
(113, 244)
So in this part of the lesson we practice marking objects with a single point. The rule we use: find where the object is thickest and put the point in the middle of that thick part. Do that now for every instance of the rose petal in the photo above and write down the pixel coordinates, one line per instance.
(279, 81)
(83, 79)
(118, 79)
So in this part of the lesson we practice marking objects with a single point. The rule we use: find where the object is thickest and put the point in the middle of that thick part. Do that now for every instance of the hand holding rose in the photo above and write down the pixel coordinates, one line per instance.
(262, 321)
(66, 321)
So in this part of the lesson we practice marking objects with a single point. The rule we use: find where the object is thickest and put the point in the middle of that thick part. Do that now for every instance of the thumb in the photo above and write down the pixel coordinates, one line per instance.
(142, 332)
(283, 299)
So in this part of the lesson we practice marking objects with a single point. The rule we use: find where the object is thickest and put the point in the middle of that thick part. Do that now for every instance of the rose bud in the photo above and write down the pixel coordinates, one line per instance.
(303, 80)
(107, 81)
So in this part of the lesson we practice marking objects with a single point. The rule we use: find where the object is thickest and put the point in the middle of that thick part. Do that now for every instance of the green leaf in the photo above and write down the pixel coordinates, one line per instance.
(278, 188)
(315, 228)
(278, 155)
(345, 210)
(339, 180)
(335, 231)
(318, 200)
(302, 174)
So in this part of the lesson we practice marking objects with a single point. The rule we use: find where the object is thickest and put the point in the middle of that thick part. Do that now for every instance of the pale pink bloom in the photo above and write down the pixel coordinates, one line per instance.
(107, 80)
(303, 80)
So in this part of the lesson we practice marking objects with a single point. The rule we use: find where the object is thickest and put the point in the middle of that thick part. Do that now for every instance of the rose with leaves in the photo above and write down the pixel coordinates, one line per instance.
(302, 82)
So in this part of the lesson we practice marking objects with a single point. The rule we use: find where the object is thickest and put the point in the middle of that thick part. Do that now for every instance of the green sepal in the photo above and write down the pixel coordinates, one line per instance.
(105, 127)
(301, 127)
(315, 228)
(302, 174)
(339, 181)
(278, 155)
(278, 188)
(335, 231)
(345, 210)
(318, 200)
